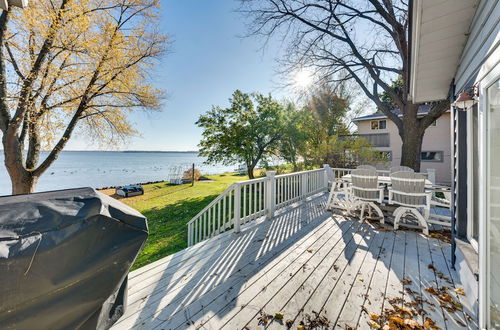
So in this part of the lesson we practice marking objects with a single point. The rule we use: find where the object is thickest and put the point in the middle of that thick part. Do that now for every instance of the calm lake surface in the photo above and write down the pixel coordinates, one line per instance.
(99, 169)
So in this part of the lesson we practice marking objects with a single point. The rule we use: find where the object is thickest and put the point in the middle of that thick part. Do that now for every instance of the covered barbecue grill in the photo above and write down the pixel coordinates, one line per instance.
(64, 259)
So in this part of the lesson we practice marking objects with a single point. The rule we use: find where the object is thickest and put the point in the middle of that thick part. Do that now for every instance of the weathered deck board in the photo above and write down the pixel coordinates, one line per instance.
(302, 261)
(373, 299)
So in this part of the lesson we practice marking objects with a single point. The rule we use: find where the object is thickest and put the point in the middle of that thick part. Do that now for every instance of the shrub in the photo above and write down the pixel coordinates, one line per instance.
(188, 175)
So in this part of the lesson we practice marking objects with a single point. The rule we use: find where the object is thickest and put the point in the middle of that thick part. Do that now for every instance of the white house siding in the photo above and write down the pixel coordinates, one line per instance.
(436, 138)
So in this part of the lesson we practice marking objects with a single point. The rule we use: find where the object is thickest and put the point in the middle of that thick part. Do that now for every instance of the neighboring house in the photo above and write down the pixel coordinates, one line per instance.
(457, 43)
(4, 4)
(436, 146)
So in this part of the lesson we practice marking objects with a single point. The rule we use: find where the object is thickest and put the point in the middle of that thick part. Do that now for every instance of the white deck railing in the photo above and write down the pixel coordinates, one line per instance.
(248, 200)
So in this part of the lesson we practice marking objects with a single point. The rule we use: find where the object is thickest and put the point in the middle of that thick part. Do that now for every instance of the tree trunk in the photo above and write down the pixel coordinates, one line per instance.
(22, 180)
(250, 172)
(411, 136)
(23, 183)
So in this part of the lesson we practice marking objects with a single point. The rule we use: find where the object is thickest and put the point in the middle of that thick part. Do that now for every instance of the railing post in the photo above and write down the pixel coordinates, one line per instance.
(237, 207)
(270, 193)
(326, 174)
(303, 185)
(431, 174)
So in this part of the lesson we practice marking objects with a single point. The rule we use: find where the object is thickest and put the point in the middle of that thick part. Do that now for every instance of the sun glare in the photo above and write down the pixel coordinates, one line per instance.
(303, 78)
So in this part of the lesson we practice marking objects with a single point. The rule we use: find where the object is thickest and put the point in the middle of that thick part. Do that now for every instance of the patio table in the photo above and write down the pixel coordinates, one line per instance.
(387, 180)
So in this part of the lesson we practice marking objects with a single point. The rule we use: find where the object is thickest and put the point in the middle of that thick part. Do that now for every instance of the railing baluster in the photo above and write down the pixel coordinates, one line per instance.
(254, 200)
(218, 216)
(237, 208)
(224, 210)
(244, 203)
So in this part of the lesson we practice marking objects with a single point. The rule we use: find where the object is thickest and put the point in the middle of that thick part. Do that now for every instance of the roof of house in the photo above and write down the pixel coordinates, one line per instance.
(438, 33)
(422, 110)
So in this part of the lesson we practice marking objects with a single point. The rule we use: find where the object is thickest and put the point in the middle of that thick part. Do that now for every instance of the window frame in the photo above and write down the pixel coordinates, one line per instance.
(470, 177)
(432, 161)
(389, 152)
(378, 121)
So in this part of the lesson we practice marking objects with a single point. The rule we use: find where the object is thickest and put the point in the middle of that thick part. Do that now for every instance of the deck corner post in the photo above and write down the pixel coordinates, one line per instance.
(237, 207)
(270, 193)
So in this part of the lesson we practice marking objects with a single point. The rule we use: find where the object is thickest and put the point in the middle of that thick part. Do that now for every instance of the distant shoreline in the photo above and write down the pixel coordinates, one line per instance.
(131, 151)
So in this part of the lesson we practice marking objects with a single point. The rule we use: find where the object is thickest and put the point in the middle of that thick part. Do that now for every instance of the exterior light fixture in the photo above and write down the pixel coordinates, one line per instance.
(467, 98)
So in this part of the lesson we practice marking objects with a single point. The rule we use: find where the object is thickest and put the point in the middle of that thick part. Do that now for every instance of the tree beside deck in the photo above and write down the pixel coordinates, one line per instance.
(69, 67)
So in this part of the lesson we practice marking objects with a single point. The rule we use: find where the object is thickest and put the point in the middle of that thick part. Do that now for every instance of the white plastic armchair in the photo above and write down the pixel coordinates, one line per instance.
(408, 191)
(367, 167)
(366, 191)
(395, 169)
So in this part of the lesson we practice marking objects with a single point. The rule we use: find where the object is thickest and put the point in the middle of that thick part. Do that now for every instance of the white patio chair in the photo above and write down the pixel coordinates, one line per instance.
(408, 191)
(395, 169)
(440, 207)
(340, 196)
(367, 167)
(365, 191)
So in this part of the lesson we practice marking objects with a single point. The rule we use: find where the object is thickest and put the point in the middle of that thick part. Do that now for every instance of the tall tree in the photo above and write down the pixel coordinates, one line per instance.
(248, 131)
(367, 39)
(328, 109)
(72, 65)
(294, 135)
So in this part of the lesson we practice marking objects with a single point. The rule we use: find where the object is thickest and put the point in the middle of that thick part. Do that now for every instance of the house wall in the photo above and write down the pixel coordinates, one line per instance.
(436, 138)
(478, 58)
(479, 62)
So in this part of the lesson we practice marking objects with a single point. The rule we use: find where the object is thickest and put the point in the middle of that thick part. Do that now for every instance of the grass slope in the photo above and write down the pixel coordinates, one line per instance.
(169, 208)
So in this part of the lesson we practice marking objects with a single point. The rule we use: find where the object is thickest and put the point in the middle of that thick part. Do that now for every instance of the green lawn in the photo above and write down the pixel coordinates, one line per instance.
(169, 208)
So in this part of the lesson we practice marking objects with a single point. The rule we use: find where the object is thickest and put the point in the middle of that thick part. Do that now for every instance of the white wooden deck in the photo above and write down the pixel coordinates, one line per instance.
(322, 270)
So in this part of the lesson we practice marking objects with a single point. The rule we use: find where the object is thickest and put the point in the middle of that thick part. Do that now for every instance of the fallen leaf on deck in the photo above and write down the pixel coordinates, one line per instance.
(395, 321)
(412, 323)
(374, 325)
(279, 316)
(431, 290)
(374, 316)
(430, 324)
(431, 266)
(460, 323)
(406, 282)
(460, 291)
(289, 323)
(310, 250)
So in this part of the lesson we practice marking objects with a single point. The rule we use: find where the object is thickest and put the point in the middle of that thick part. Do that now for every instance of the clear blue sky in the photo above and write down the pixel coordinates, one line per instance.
(207, 62)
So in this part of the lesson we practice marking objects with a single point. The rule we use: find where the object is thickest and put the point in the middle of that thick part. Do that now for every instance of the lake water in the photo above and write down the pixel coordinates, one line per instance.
(99, 169)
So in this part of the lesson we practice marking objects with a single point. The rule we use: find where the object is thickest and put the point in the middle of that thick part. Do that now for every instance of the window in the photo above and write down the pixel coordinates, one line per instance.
(386, 155)
(378, 124)
(432, 156)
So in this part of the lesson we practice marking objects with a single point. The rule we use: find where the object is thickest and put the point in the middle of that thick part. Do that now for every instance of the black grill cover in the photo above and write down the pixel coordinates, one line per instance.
(64, 259)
